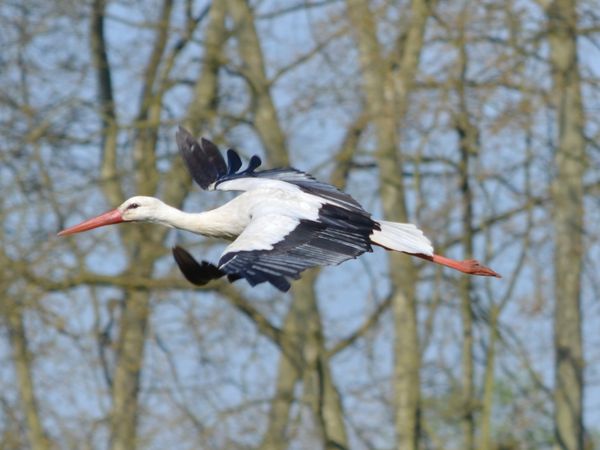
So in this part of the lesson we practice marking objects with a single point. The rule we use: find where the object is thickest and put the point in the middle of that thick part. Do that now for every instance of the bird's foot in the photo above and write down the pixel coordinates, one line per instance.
(474, 267)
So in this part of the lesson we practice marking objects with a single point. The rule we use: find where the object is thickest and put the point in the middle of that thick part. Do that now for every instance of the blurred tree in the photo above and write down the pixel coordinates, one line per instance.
(568, 211)
(388, 81)
(438, 112)
(304, 357)
(144, 247)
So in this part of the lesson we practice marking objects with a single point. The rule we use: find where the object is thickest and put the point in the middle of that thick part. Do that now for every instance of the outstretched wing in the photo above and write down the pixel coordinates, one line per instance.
(209, 169)
(276, 248)
(206, 163)
(203, 159)
(195, 272)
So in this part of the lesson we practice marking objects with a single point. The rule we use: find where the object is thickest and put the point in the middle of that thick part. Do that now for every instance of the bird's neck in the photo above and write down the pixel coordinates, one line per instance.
(208, 223)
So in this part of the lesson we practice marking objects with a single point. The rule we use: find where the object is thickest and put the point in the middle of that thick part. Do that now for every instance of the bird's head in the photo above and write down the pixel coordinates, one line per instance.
(140, 209)
(135, 209)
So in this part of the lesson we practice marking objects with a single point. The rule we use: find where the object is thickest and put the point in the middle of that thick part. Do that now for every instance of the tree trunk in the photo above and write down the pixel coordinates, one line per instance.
(568, 217)
(308, 361)
(387, 84)
(468, 389)
(142, 242)
(253, 70)
(468, 148)
(22, 360)
(275, 437)
(320, 391)
(305, 360)
(488, 381)
(203, 109)
(126, 380)
(108, 115)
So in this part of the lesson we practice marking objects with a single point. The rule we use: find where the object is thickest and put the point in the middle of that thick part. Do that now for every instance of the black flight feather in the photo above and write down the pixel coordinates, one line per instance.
(195, 272)
(233, 162)
(342, 230)
(203, 159)
(255, 161)
(338, 234)
(206, 164)
(207, 167)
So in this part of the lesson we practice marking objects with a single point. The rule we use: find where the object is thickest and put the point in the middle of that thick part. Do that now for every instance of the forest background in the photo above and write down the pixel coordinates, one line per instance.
(477, 120)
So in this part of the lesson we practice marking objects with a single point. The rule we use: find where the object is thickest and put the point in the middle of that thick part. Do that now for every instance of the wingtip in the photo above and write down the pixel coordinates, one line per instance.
(204, 142)
(195, 272)
(181, 131)
(254, 163)
(184, 139)
(234, 162)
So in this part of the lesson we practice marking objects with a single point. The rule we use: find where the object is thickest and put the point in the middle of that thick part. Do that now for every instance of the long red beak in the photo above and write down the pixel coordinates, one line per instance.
(108, 218)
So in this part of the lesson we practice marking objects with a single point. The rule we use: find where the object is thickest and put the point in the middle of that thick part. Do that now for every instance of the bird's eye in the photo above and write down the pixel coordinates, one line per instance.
(133, 206)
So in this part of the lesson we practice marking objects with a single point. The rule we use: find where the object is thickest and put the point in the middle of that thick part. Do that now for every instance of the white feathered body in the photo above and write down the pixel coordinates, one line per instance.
(269, 210)
(283, 222)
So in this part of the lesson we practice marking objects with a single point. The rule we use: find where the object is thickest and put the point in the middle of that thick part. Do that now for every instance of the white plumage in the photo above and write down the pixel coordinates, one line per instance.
(282, 223)
(402, 237)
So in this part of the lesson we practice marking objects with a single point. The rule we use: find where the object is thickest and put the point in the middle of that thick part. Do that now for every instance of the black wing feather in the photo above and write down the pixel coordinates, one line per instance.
(303, 180)
(207, 166)
(206, 163)
(341, 232)
(233, 162)
(195, 272)
(203, 159)
(338, 235)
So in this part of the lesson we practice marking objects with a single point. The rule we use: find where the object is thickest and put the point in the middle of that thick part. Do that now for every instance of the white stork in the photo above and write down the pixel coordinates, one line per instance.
(282, 223)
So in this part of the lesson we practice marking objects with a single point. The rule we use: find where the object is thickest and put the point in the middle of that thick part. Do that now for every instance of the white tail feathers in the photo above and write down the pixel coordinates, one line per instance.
(402, 237)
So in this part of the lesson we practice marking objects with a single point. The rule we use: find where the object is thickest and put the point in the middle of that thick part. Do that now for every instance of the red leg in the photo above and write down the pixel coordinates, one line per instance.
(470, 266)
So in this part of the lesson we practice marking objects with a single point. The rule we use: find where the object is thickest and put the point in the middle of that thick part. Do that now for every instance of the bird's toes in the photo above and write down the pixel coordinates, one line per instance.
(474, 267)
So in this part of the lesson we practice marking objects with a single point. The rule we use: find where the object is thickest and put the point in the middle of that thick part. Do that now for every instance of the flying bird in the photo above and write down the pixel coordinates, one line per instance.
(283, 222)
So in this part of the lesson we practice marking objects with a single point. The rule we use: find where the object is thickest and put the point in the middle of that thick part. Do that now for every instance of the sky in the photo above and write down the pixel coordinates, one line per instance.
(315, 127)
